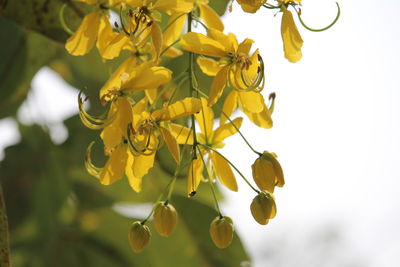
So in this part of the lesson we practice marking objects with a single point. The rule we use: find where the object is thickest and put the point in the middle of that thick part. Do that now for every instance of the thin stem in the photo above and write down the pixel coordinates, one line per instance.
(233, 166)
(4, 235)
(236, 128)
(62, 21)
(244, 138)
(211, 185)
(191, 88)
(201, 23)
(323, 29)
(168, 47)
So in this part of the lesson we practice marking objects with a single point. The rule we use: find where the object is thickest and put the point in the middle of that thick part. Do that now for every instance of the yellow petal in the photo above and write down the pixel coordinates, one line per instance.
(182, 134)
(114, 168)
(181, 108)
(218, 85)
(173, 52)
(82, 41)
(176, 23)
(113, 133)
(194, 175)
(206, 119)
(134, 3)
(116, 43)
(262, 119)
(142, 165)
(210, 17)
(115, 82)
(292, 41)
(134, 182)
(225, 40)
(250, 6)
(171, 142)
(203, 45)
(157, 39)
(229, 106)
(174, 6)
(147, 78)
(208, 66)
(224, 171)
(245, 46)
(151, 95)
(251, 101)
(226, 130)
(264, 174)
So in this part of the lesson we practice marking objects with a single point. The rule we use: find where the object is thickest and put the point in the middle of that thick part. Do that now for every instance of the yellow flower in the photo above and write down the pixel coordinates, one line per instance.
(267, 172)
(221, 231)
(132, 139)
(234, 64)
(263, 207)
(139, 236)
(292, 41)
(213, 139)
(95, 28)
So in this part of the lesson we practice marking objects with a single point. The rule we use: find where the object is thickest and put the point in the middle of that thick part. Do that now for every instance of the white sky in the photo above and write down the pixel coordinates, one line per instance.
(336, 132)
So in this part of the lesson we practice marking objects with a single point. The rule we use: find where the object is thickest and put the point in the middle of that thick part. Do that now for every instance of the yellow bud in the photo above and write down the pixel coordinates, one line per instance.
(139, 236)
(263, 207)
(165, 218)
(221, 231)
(267, 172)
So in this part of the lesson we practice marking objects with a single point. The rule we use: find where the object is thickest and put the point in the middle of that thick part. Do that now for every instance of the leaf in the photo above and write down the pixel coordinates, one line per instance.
(21, 60)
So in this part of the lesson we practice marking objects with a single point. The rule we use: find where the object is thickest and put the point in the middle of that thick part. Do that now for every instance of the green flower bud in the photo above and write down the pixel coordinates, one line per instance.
(263, 207)
(165, 218)
(221, 231)
(139, 236)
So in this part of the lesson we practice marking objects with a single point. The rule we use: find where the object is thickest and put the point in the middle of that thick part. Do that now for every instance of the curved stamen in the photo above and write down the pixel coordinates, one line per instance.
(92, 170)
(319, 30)
(93, 122)
(62, 21)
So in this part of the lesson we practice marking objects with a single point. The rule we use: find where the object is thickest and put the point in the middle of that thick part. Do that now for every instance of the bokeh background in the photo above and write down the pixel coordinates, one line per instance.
(336, 132)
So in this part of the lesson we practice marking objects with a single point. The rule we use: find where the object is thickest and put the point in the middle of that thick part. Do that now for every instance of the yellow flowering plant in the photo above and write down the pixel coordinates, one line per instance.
(149, 106)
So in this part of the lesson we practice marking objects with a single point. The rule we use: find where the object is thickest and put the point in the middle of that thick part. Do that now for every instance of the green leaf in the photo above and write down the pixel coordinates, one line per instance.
(23, 54)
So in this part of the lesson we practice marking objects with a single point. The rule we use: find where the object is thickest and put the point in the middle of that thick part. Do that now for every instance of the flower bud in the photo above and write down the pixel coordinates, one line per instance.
(139, 236)
(221, 231)
(267, 172)
(165, 218)
(263, 207)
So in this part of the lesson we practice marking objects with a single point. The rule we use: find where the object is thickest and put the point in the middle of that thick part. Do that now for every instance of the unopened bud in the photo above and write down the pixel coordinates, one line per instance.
(165, 218)
(221, 231)
(139, 236)
(263, 207)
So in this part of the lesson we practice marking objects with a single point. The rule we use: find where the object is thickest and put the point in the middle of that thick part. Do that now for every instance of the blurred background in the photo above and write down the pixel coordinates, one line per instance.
(336, 132)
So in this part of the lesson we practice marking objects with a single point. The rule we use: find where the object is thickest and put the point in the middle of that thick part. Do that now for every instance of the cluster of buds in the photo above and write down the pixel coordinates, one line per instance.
(148, 107)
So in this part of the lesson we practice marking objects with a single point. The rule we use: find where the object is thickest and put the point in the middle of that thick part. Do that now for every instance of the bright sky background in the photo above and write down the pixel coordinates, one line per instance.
(336, 132)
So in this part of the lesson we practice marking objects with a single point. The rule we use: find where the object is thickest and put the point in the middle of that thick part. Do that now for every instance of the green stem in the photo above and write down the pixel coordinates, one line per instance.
(62, 21)
(233, 166)
(211, 185)
(191, 55)
(168, 47)
(240, 133)
(323, 29)
(236, 128)
(4, 235)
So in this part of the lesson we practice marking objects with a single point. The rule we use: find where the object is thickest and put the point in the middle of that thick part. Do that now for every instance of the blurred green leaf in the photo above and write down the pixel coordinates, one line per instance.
(22, 56)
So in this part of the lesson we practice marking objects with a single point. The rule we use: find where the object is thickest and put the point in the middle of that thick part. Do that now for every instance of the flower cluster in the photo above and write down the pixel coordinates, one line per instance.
(149, 107)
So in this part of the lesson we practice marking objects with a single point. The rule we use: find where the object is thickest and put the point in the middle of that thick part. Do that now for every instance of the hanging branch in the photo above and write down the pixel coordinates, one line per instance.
(4, 239)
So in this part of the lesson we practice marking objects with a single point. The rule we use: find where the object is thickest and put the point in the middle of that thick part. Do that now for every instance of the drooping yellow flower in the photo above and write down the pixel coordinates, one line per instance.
(250, 102)
(95, 29)
(233, 66)
(267, 172)
(210, 138)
